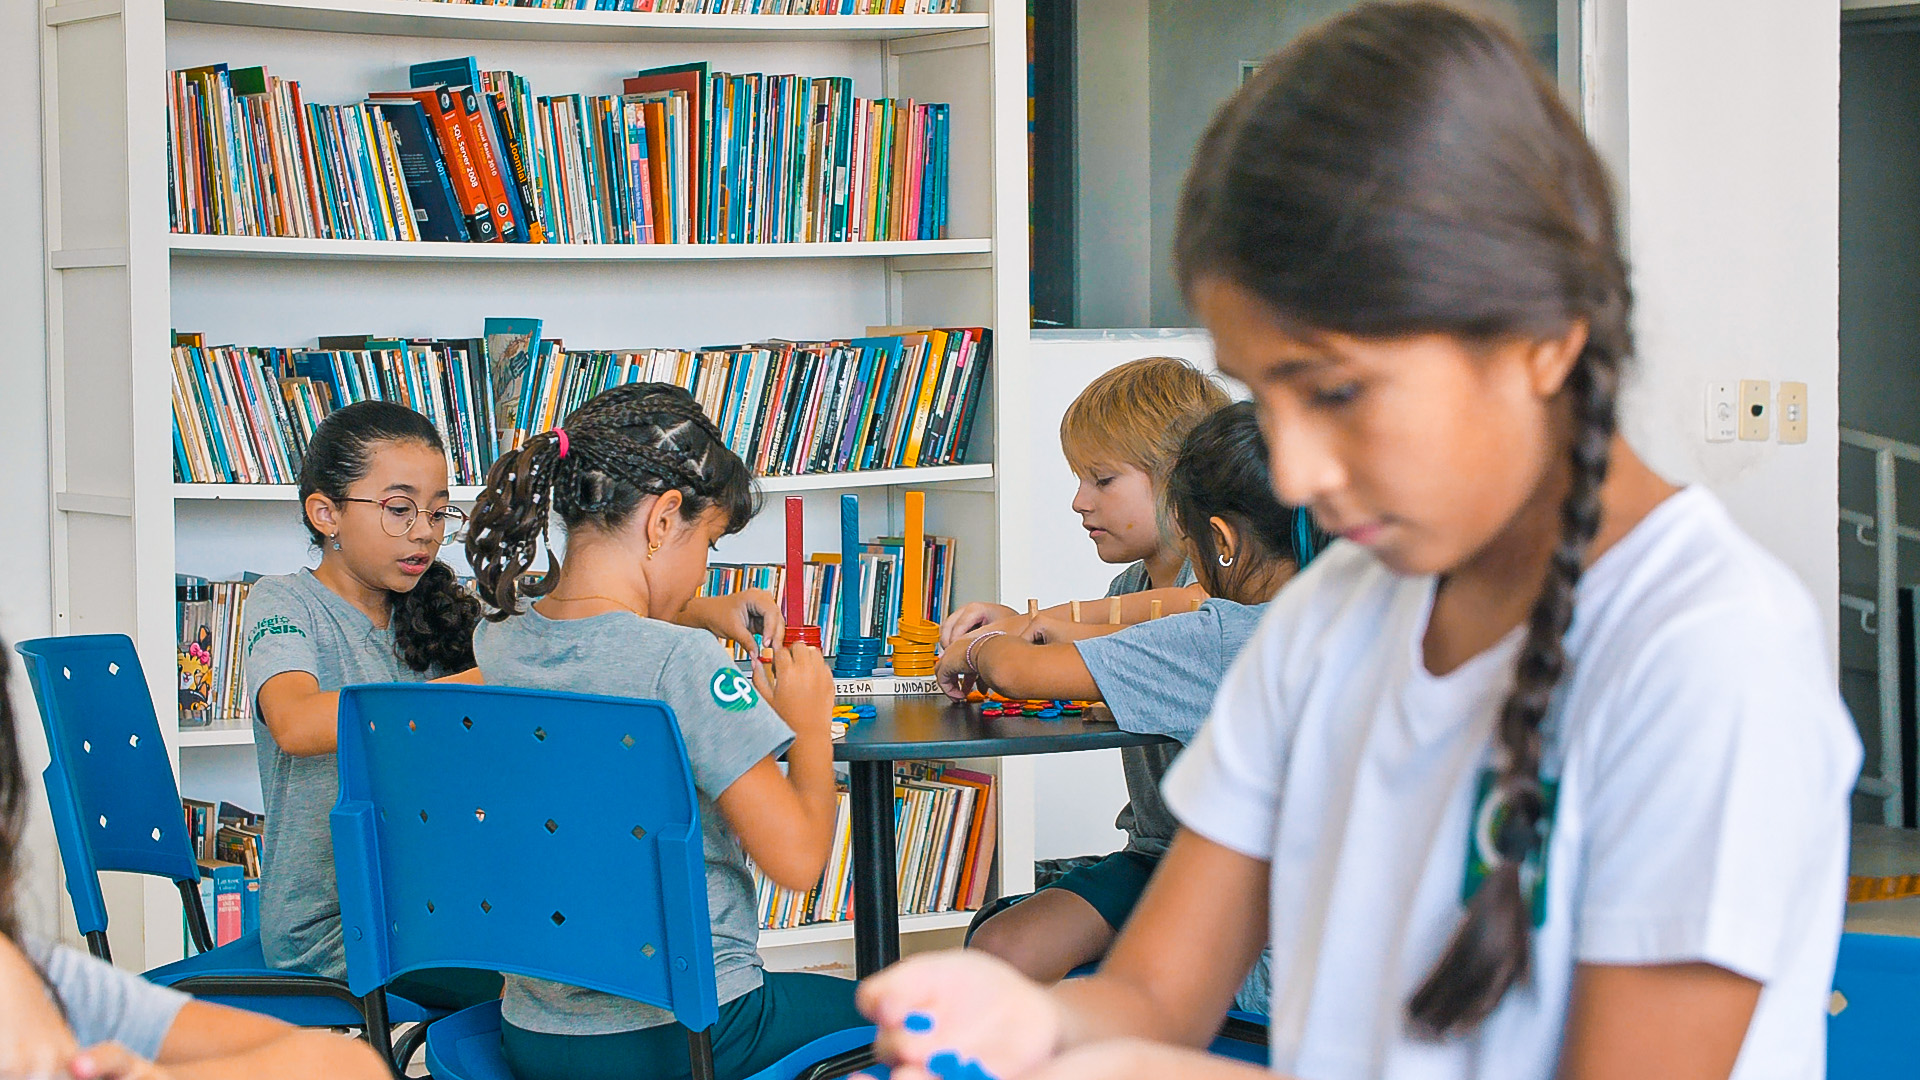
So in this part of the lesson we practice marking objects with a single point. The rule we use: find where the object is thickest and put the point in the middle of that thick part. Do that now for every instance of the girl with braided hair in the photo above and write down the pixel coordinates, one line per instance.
(1541, 770)
(644, 485)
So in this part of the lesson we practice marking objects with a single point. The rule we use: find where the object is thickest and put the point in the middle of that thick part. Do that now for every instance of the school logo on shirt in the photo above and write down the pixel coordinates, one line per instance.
(272, 624)
(732, 691)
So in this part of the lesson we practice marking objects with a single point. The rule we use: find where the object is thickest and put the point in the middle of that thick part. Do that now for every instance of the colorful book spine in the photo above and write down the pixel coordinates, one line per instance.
(944, 819)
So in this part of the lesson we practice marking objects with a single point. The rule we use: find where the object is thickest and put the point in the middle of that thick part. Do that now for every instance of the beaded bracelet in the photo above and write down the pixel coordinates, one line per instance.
(971, 645)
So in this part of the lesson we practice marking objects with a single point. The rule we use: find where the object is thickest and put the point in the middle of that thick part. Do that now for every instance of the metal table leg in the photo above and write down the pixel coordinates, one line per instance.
(876, 893)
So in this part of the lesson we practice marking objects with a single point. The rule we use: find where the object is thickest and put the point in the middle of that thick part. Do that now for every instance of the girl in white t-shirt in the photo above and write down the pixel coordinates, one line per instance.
(1542, 770)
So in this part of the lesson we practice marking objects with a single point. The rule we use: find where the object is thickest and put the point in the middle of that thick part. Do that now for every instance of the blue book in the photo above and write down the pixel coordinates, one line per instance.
(250, 905)
(182, 471)
(210, 401)
(457, 72)
(887, 370)
(436, 210)
(511, 346)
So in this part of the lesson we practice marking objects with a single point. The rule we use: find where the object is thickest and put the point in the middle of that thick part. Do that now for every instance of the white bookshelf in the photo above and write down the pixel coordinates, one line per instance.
(118, 281)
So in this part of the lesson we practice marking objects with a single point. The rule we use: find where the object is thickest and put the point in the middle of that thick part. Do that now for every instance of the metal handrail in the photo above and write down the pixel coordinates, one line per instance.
(1885, 521)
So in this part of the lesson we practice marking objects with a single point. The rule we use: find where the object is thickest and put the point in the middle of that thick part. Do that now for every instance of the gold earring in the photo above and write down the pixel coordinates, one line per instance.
(651, 548)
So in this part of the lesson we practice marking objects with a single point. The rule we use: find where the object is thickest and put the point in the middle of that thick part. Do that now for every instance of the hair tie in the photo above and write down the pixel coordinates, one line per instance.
(561, 434)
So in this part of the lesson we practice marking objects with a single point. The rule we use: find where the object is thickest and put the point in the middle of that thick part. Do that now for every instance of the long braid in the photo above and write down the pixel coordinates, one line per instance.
(1491, 950)
(623, 446)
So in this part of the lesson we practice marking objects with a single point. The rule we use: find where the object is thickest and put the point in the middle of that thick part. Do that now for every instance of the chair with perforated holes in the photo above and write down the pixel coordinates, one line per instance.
(1871, 1028)
(536, 833)
(115, 807)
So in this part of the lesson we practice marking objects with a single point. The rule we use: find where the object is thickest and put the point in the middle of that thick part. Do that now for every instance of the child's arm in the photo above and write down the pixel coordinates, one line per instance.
(785, 823)
(1678, 1021)
(1016, 668)
(212, 1042)
(304, 719)
(34, 1039)
(1191, 941)
(1094, 614)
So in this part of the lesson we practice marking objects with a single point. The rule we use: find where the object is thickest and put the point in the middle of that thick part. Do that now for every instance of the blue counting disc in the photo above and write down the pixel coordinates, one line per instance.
(946, 1065)
(918, 1023)
(1048, 713)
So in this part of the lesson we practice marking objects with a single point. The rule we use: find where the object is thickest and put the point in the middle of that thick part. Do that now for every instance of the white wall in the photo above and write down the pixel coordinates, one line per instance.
(25, 600)
(1722, 120)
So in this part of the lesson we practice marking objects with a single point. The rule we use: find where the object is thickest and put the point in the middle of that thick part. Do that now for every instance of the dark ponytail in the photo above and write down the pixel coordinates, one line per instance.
(14, 793)
(1406, 169)
(432, 622)
(625, 445)
(1221, 472)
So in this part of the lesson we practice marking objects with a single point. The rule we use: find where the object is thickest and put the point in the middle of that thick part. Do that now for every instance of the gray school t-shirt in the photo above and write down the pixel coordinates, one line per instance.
(105, 1004)
(1145, 765)
(1159, 678)
(620, 654)
(295, 623)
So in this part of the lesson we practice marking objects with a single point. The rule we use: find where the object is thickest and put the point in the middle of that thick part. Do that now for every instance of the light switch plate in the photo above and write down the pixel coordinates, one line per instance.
(1793, 412)
(1723, 412)
(1755, 402)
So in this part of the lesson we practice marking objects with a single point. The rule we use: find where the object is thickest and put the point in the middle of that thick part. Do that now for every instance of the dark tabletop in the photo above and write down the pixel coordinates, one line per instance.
(937, 726)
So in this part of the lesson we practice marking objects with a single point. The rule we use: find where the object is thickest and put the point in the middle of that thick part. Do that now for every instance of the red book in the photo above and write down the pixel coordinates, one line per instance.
(489, 160)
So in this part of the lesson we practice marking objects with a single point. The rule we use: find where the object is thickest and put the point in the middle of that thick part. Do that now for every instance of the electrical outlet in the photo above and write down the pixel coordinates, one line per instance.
(1723, 412)
(1793, 412)
(1755, 423)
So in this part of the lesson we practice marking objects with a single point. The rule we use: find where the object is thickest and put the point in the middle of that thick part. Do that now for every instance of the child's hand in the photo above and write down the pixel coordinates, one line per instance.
(970, 618)
(955, 677)
(799, 686)
(968, 1003)
(731, 616)
(111, 1061)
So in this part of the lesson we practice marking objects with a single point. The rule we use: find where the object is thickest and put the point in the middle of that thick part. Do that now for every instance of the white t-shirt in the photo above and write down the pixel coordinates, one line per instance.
(1704, 762)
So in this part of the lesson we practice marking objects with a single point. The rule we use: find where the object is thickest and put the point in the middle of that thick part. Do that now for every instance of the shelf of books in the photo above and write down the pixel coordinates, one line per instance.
(271, 247)
(772, 485)
(626, 21)
(810, 214)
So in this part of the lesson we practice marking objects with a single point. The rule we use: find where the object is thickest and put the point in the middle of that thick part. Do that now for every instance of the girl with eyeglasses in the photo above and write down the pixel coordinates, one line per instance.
(379, 608)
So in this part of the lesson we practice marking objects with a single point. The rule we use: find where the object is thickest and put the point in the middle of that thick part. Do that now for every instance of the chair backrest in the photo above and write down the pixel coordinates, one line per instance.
(110, 784)
(544, 834)
(1871, 1028)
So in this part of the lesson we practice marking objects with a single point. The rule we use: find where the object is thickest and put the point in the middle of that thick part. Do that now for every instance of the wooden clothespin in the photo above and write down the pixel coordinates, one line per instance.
(1196, 605)
(1153, 609)
(1076, 611)
(1033, 608)
(1113, 611)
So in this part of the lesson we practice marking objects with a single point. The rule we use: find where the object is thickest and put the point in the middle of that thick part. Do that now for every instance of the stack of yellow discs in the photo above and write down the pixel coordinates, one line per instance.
(913, 656)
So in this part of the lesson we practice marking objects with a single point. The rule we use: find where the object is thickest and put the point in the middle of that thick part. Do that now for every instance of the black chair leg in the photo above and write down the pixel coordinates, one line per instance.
(196, 916)
(379, 1032)
(700, 1052)
(97, 945)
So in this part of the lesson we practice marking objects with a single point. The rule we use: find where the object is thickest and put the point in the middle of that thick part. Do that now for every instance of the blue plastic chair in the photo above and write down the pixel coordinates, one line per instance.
(1875, 1031)
(543, 834)
(115, 807)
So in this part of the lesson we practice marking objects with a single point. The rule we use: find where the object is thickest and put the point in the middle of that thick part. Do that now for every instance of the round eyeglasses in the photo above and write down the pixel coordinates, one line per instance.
(398, 514)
